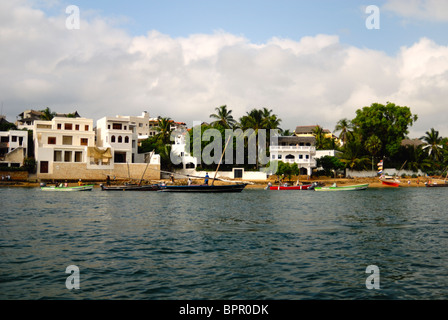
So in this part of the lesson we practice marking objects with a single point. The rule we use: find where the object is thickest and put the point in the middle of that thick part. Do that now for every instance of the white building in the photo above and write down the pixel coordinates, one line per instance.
(293, 149)
(62, 140)
(179, 149)
(13, 148)
(120, 135)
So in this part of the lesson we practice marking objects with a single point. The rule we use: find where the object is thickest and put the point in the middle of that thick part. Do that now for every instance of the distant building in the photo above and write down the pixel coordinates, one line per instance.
(26, 119)
(13, 148)
(294, 149)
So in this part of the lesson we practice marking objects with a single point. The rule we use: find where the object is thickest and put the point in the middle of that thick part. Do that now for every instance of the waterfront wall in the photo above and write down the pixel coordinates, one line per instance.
(15, 175)
(246, 175)
(121, 171)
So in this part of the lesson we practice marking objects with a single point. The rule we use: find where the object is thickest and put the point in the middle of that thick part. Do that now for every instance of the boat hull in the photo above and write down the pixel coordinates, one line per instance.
(205, 188)
(343, 188)
(153, 187)
(68, 189)
(305, 187)
(391, 183)
(437, 185)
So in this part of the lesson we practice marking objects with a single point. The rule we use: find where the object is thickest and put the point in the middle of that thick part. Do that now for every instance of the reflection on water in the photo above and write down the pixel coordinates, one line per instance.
(253, 245)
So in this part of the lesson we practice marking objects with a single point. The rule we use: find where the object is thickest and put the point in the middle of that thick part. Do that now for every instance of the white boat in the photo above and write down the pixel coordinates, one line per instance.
(68, 189)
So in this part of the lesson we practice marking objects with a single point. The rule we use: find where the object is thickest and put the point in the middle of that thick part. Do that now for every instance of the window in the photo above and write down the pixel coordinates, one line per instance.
(84, 141)
(279, 156)
(57, 156)
(59, 126)
(51, 140)
(307, 157)
(120, 139)
(301, 156)
(126, 140)
(68, 126)
(86, 127)
(67, 140)
(78, 156)
(116, 126)
(14, 139)
(68, 156)
(112, 139)
(44, 167)
(77, 127)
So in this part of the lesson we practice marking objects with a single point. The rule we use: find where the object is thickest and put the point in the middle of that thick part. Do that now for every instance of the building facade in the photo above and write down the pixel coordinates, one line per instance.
(293, 149)
(61, 141)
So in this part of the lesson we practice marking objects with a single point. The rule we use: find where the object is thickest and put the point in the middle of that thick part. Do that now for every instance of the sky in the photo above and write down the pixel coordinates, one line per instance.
(310, 62)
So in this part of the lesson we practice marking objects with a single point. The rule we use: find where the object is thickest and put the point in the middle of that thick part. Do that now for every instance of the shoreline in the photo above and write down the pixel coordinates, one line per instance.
(373, 182)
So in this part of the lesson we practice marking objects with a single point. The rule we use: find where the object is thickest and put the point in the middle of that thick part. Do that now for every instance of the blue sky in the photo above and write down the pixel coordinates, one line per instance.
(260, 20)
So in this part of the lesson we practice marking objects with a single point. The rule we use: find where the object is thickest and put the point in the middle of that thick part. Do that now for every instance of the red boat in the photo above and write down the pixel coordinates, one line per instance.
(390, 181)
(286, 187)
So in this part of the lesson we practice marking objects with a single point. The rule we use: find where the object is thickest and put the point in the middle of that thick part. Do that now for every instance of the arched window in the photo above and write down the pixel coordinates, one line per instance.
(126, 140)
(112, 139)
(120, 139)
(290, 157)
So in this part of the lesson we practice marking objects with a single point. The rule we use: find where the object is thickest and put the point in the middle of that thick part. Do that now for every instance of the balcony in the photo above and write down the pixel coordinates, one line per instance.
(293, 148)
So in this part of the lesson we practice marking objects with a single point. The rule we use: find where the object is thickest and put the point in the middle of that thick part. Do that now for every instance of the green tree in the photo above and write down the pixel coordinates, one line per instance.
(164, 130)
(388, 122)
(329, 163)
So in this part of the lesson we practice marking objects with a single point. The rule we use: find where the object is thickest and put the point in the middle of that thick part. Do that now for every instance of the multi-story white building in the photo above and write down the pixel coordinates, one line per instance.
(293, 149)
(13, 147)
(119, 134)
(62, 140)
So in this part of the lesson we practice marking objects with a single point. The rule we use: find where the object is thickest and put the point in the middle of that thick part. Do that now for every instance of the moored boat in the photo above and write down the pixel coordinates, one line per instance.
(131, 187)
(287, 187)
(335, 187)
(390, 181)
(437, 184)
(68, 189)
(204, 188)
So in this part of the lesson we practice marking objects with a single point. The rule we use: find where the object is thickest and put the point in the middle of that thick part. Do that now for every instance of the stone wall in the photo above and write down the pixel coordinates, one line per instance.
(15, 175)
(76, 171)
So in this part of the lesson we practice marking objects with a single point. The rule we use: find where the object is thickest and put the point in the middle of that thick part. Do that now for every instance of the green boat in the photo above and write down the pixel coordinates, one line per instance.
(68, 189)
(335, 187)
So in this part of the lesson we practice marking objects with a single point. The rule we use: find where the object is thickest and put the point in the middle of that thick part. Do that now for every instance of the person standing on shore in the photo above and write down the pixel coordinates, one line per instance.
(206, 179)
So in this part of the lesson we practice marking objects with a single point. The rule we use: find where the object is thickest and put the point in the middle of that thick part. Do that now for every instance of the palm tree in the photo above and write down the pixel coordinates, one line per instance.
(164, 129)
(318, 132)
(47, 114)
(223, 117)
(344, 126)
(433, 144)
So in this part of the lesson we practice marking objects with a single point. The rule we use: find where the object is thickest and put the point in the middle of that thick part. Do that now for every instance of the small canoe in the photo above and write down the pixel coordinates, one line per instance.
(68, 189)
(206, 188)
(343, 188)
(437, 185)
(131, 187)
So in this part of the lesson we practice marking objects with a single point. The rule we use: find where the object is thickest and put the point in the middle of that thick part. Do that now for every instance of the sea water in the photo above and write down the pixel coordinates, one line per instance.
(253, 245)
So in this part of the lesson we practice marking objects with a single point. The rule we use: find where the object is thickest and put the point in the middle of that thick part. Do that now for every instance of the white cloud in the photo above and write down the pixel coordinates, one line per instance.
(432, 10)
(101, 70)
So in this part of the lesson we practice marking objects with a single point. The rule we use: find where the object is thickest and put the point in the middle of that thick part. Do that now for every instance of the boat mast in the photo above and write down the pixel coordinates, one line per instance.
(219, 164)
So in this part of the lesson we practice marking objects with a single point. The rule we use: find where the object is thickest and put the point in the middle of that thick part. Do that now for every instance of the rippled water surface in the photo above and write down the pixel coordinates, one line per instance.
(253, 245)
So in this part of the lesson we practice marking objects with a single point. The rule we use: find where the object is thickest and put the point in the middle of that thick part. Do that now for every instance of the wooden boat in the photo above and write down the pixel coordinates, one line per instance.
(131, 187)
(68, 189)
(204, 188)
(437, 184)
(286, 187)
(343, 188)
